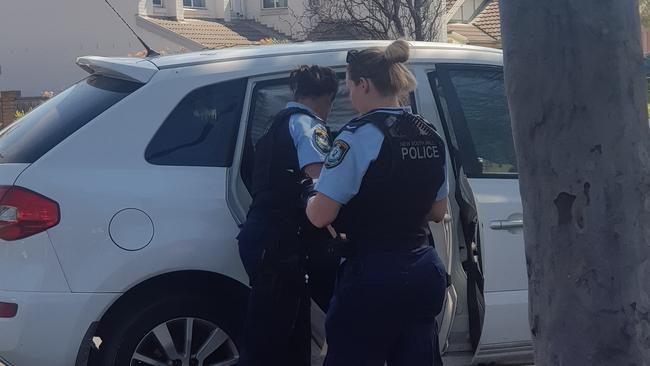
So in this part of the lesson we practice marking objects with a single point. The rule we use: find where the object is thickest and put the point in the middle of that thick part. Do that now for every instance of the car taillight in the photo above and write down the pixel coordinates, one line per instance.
(8, 310)
(24, 213)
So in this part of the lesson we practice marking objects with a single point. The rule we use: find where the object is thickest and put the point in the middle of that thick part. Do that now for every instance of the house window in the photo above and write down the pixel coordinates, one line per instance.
(272, 4)
(194, 3)
(158, 3)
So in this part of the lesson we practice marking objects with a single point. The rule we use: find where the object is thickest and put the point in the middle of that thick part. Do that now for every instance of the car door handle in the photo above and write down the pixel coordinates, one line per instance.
(506, 224)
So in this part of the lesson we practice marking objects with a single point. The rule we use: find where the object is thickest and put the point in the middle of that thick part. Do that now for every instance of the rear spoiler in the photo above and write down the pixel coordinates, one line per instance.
(131, 69)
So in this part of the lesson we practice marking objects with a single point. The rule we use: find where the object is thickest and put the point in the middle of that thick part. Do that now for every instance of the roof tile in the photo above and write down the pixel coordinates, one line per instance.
(474, 35)
(217, 33)
(489, 20)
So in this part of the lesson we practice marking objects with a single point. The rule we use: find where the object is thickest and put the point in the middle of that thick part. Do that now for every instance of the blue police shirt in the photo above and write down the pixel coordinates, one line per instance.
(309, 136)
(355, 151)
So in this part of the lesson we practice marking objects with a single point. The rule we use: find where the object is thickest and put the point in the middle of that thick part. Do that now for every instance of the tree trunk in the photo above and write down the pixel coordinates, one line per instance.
(576, 88)
(417, 11)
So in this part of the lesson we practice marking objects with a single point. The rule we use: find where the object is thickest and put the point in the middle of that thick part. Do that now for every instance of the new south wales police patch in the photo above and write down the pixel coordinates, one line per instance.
(337, 154)
(321, 140)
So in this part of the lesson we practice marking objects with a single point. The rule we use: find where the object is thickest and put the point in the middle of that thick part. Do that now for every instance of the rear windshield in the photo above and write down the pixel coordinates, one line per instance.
(29, 138)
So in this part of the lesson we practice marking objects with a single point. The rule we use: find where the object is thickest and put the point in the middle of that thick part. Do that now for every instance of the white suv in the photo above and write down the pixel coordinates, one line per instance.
(121, 199)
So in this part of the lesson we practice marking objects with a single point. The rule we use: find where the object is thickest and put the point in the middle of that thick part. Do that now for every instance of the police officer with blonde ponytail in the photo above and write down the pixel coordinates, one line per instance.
(382, 181)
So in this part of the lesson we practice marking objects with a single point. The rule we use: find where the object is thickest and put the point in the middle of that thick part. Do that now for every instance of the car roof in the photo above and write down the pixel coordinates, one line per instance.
(251, 52)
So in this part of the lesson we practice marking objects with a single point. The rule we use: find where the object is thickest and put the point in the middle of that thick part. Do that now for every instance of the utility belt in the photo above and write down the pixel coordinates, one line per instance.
(276, 206)
(290, 248)
(349, 247)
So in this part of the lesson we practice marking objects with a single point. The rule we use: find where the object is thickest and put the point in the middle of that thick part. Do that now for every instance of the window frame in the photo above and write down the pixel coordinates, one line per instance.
(161, 3)
(193, 6)
(457, 126)
(275, 3)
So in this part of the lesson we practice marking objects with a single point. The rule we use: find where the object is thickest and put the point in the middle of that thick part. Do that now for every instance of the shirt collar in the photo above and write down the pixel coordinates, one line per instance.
(302, 106)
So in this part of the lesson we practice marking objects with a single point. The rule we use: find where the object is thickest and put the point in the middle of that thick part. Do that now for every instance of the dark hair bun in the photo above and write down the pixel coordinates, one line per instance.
(313, 81)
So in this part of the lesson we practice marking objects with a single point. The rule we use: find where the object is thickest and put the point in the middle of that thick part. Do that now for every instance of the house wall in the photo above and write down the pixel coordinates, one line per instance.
(645, 40)
(284, 20)
(213, 9)
(42, 39)
(11, 102)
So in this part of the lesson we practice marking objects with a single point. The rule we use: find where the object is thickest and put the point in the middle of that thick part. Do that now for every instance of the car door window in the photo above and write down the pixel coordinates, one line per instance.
(270, 97)
(202, 129)
(473, 99)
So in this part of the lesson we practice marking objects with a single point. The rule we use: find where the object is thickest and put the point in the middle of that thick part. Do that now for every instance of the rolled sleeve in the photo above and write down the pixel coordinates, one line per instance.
(342, 176)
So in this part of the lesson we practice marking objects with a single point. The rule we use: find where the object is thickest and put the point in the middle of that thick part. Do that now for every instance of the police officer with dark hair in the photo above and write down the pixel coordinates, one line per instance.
(387, 168)
(272, 241)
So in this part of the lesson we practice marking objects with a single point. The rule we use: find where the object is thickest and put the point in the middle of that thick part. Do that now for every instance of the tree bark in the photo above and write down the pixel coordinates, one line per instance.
(576, 88)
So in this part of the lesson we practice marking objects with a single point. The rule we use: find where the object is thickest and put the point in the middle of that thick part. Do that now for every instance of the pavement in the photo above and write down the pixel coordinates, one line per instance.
(457, 361)
(317, 360)
(448, 361)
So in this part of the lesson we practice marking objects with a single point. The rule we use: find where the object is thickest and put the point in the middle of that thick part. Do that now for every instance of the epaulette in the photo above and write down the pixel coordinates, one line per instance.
(354, 125)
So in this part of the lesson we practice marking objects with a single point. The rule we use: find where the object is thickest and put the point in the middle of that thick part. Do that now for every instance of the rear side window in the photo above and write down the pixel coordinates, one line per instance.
(202, 129)
(29, 138)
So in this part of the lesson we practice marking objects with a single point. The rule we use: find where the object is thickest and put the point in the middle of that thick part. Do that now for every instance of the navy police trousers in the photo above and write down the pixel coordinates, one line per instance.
(277, 331)
(384, 309)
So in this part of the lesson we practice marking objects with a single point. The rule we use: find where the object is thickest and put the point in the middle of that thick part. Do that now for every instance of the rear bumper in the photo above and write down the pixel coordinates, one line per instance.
(31, 264)
(49, 327)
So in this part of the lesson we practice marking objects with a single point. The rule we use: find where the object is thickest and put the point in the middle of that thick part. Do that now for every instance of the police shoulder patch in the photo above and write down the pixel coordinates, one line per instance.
(337, 154)
(321, 140)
